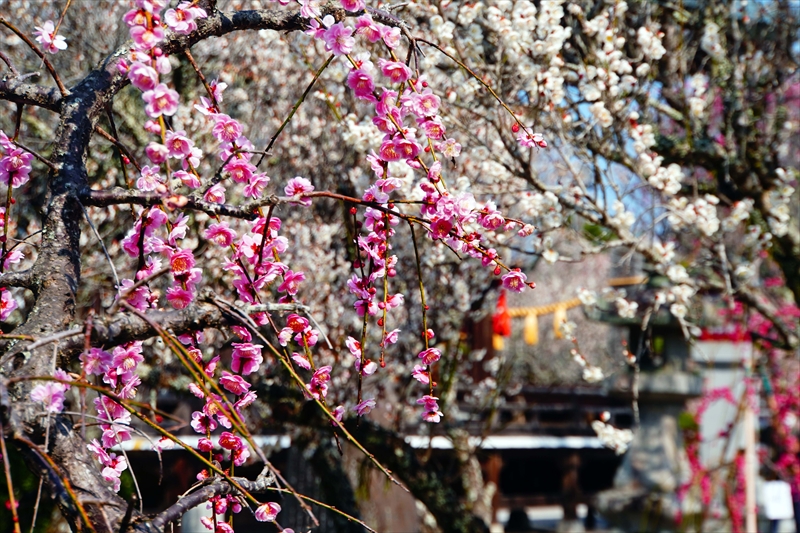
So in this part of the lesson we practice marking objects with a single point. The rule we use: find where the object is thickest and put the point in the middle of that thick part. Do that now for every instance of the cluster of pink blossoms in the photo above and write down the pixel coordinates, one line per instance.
(409, 120)
(15, 163)
(117, 370)
(15, 170)
(216, 412)
(258, 249)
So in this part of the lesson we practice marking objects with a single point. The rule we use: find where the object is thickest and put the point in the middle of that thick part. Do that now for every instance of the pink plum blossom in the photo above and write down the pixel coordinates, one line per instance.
(202, 423)
(396, 71)
(449, 148)
(529, 140)
(220, 234)
(178, 144)
(365, 407)
(233, 383)
(368, 28)
(301, 361)
(391, 36)
(143, 77)
(179, 297)
(146, 38)
(216, 194)
(51, 42)
(309, 9)
(217, 88)
(51, 394)
(157, 153)
(149, 179)
(297, 187)
(362, 84)
(161, 100)
(127, 357)
(339, 39)
(240, 171)
(15, 167)
(430, 356)
(255, 187)
(440, 228)
(514, 281)
(182, 19)
(226, 129)
(95, 361)
(291, 281)
(353, 5)
(246, 357)
(267, 512)
(135, 17)
(391, 337)
(420, 373)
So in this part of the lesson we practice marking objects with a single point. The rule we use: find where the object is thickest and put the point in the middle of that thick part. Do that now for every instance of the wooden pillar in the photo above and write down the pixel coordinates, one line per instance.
(494, 464)
(570, 488)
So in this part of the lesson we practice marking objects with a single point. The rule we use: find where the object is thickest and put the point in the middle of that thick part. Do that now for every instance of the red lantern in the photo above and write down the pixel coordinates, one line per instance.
(501, 321)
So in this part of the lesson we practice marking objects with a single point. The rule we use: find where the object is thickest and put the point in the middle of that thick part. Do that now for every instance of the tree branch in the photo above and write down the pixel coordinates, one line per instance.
(16, 279)
(216, 487)
(15, 90)
(118, 195)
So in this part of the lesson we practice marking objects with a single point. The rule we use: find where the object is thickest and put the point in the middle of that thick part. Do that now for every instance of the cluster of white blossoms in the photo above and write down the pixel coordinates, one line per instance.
(650, 43)
(587, 297)
(700, 214)
(739, 213)
(697, 101)
(359, 134)
(616, 439)
(442, 29)
(532, 41)
(609, 296)
(643, 139)
(779, 209)
(678, 297)
(711, 42)
(626, 308)
(544, 207)
(667, 180)
(622, 218)
(591, 373)
(612, 77)
(677, 274)
(663, 252)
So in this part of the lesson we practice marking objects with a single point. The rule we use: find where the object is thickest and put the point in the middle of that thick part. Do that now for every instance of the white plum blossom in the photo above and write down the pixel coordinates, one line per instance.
(667, 179)
(710, 42)
(626, 309)
(587, 297)
(677, 274)
(650, 44)
(622, 218)
(601, 114)
(550, 255)
(616, 439)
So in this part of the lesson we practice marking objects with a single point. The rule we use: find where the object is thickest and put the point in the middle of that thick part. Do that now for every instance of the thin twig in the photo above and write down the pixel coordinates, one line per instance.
(103, 246)
(295, 107)
(55, 337)
(10, 484)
